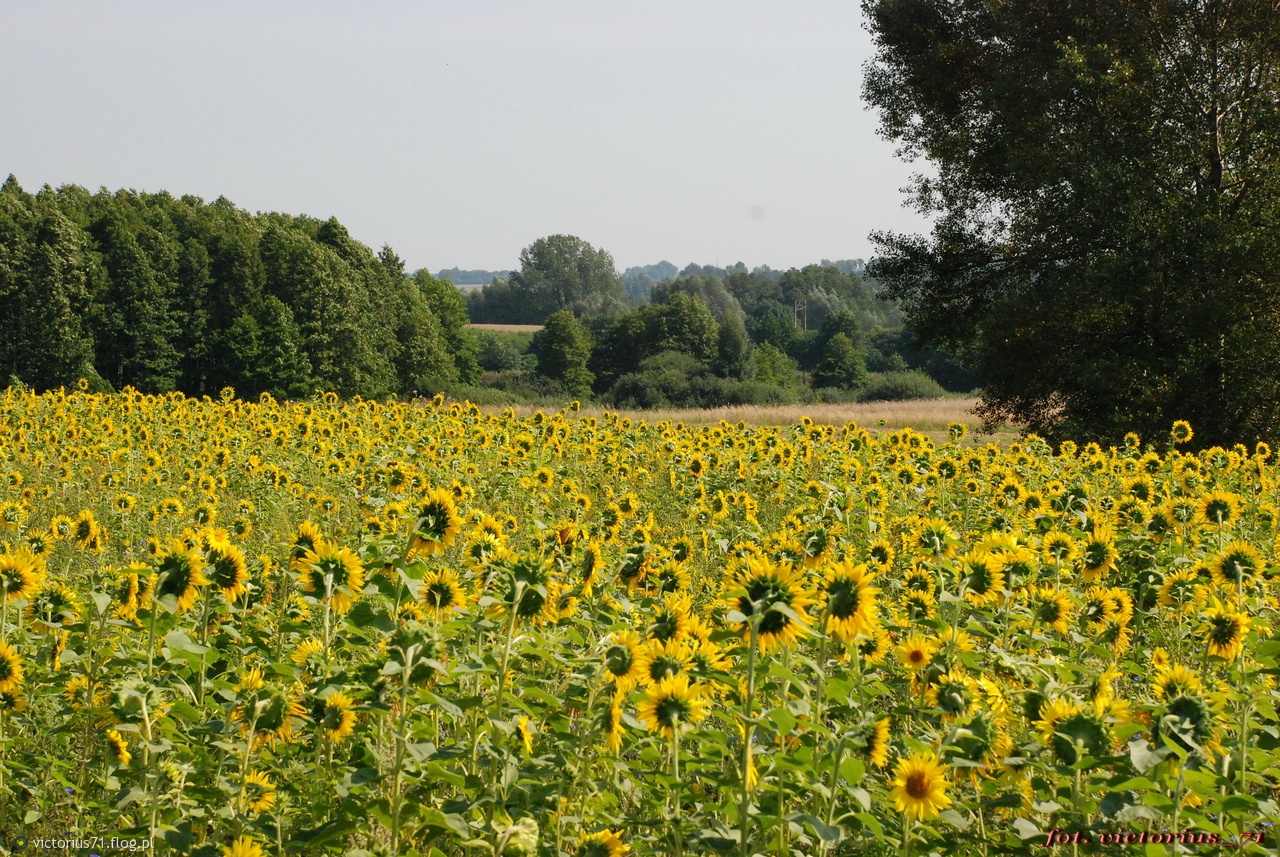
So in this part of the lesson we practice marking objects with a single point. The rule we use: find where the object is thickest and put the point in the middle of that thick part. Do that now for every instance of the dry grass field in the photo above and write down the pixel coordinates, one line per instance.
(928, 416)
(507, 328)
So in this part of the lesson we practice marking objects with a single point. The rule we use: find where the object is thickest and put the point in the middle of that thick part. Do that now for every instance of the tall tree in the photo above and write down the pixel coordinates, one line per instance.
(1107, 194)
(562, 348)
(563, 272)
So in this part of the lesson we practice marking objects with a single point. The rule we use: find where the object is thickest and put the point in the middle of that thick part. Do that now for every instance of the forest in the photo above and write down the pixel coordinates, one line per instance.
(163, 293)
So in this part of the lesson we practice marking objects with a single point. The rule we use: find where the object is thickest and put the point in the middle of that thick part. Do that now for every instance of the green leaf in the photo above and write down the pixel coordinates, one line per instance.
(1025, 829)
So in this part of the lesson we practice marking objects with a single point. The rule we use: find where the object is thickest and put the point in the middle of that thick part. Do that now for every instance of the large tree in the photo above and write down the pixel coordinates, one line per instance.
(563, 272)
(1106, 187)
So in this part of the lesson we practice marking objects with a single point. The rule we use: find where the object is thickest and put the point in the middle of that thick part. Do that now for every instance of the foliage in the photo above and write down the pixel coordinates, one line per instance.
(842, 365)
(163, 294)
(558, 272)
(1106, 184)
(562, 349)
(900, 386)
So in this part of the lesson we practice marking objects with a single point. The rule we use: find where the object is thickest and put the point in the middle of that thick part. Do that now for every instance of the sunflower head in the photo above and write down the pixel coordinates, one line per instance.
(436, 523)
(604, 843)
(179, 576)
(330, 571)
(920, 787)
(771, 594)
(672, 704)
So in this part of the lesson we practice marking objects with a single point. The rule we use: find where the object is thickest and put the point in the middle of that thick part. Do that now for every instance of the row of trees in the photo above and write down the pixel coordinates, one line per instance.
(704, 335)
(163, 293)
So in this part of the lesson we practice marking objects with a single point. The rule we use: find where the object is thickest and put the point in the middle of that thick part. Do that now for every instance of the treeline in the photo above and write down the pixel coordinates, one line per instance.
(704, 335)
(162, 293)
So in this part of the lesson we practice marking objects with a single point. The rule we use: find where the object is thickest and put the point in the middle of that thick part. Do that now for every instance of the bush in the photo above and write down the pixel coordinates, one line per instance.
(673, 380)
(901, 386)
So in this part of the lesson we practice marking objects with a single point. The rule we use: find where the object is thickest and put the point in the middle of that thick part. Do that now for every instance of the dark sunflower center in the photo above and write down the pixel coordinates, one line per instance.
(917, 785)
(844, 598)
(441, 595)
(671, 710)
(1223, 630)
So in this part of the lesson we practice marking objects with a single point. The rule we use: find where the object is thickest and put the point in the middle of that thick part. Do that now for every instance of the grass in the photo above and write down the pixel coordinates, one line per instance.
(507, 328)
(927, 416)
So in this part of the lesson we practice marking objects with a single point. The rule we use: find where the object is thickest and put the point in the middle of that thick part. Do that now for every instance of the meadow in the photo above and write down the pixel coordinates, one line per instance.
(360, 627)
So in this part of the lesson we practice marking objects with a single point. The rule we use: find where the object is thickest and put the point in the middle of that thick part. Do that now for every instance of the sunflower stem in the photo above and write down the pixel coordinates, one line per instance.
(837, 757)
(675, 772)
(397, 797)
(744, 812)
(506, 648)
(151, 641)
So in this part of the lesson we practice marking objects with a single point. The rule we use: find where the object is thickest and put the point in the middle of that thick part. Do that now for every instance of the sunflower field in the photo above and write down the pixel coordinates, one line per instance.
(363, 627)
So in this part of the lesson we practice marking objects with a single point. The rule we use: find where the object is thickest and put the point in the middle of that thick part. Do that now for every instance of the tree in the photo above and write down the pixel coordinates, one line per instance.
(562, 272)
(842, 365)
(1106, 192)
(562, 349)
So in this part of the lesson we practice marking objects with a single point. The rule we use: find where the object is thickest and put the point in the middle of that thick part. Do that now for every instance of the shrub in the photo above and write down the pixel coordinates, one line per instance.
(901, 386)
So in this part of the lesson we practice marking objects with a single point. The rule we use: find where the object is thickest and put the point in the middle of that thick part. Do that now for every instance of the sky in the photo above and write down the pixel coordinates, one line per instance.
(711, 131)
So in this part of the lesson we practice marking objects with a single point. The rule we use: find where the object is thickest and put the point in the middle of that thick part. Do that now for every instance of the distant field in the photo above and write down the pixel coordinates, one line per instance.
(508, 328)
(928, 416)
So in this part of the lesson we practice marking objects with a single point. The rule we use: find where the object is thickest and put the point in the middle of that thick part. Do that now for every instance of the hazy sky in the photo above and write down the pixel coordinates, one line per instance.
(713, 131)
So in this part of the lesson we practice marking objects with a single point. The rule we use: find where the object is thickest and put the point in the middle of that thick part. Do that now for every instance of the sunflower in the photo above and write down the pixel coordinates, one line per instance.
(244, 846)
(658, 661)
(258, 792)
(881, 554)
(227, 570)
(671, 703)
(331, 571)
(306, 539)
(877, 746)
(307, 649)
(179, 575)
(1059, 548)
(1191, 723)
(1223, 631)
(1238, 565)
(87, 532)
(920, 787)
(525, 734)
(1176, 680)
(1182, 589)
(442, 593)
(1181, 432)
(481, 548)
(916, 652)
(1218, 508)
(1099, 553)
(981, 577)
(875, 646)
(670, 577)
(954, 693)
(622, 659)
(849, 600)
(763, 586)
(10, 668)
(119, 748)
(436, 523)
(1080, 732)
(935, 536)
(611, 725)
(336, 717)
(1050, 606)
(605, 843)
(21, 575)
(1050, 713)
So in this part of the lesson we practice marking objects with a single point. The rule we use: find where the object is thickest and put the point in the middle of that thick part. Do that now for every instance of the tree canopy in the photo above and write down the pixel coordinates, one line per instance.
(163, 293)
(1107, 196)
